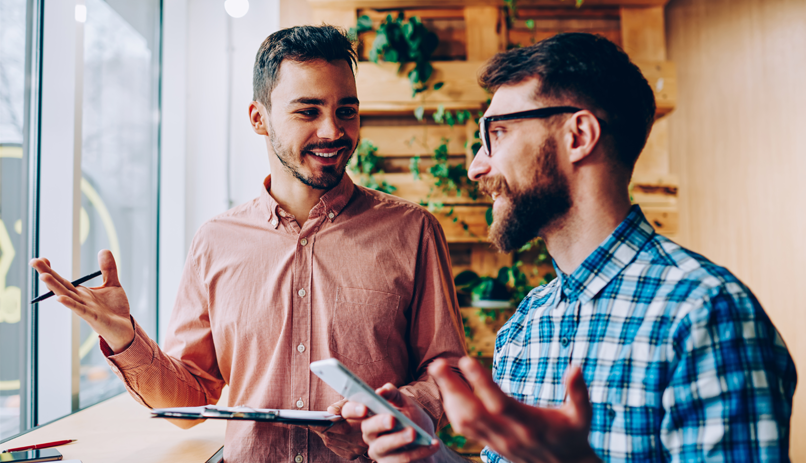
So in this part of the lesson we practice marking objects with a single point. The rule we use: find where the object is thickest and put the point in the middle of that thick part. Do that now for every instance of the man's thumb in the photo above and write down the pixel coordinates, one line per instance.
(579, 404)
(110, 271)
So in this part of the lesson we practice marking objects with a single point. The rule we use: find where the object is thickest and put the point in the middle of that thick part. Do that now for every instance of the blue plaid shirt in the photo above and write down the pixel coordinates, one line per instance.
(681, 362)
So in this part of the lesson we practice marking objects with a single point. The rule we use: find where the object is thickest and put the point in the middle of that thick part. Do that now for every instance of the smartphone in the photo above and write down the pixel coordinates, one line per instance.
(31, 455)
(352, 388)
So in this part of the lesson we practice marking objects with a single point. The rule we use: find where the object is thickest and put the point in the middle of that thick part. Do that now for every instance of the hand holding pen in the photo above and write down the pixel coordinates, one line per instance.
(105, 307)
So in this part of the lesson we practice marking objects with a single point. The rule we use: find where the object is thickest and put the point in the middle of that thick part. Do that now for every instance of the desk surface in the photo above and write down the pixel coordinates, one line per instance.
(121, 430)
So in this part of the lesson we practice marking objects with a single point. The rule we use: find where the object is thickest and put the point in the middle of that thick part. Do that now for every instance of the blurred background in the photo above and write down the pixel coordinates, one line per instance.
(123, 126)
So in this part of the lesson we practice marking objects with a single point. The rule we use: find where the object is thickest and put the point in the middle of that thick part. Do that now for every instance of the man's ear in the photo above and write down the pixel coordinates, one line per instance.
(258, 117)
(583, 133)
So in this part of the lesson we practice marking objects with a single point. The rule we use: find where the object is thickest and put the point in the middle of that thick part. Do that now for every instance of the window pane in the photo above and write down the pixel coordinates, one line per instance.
(119, 166)
(12, 212)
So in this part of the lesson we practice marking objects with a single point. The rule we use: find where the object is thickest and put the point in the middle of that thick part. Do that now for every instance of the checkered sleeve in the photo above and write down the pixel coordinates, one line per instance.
(731, 386)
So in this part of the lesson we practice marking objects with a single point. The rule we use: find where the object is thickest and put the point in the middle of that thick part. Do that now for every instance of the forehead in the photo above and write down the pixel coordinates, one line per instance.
(514, 98)
(315, 79)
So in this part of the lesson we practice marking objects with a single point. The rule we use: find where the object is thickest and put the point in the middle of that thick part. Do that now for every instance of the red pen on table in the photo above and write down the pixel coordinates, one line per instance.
(40, 446)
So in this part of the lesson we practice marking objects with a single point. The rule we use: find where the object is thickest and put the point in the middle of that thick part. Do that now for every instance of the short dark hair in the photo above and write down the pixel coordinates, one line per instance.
(300, 43)
(590, 71)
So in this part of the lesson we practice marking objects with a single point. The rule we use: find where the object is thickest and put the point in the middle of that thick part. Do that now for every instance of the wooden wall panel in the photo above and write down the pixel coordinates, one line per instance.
(643, 33)
(737, 148)
(481, 23)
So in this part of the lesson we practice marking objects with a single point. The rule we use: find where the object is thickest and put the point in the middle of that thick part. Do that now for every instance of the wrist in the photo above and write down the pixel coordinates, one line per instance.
(124, 337)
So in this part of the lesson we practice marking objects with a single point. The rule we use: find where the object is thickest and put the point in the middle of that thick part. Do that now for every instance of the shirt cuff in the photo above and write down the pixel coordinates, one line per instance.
(140, 352)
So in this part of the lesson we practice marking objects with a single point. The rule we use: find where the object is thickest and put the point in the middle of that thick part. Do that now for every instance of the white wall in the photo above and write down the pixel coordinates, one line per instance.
(198, 128)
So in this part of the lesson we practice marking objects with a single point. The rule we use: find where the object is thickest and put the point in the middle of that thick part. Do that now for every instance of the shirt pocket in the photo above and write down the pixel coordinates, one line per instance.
(361, 323)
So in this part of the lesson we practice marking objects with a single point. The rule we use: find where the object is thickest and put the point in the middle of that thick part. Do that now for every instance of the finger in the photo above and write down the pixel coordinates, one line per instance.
(465, 411)
(493, 398)
(580, 410)
(44, 268)
(77, 307)
(106, 262)
(58, 288)
(335, 409)
(393, 445)
(392, 395)
(354, 411)
(375, 426)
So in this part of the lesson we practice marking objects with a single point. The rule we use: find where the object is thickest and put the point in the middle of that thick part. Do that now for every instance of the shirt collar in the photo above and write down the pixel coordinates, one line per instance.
(330, 204)
(608, 260)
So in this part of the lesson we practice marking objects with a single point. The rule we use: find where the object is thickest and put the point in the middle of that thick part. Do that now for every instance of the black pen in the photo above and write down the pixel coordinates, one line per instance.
(74, 283)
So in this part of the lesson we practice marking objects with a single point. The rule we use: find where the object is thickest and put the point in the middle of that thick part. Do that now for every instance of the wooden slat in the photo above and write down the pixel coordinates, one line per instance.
(643, 33)
(339, 15)
(485, 260)
(565, 12)
(383, 91)
(380, 84)
(451, 43)
(423, 13)
(654, 159)
(392, 4)
(417, 140)
(665, 220)
(658, 191)
(484, 333)
(473, 216)
(525, 37)
(662, 77)
(481, 28)
(421, 190)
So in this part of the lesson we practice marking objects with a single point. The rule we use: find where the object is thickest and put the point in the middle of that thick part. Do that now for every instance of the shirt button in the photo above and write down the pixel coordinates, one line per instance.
(303, 241)
(273, 222)
(301, 293)
(330, 215)
(564, 341)
(300, 403)
(298, 459)
(301, 348)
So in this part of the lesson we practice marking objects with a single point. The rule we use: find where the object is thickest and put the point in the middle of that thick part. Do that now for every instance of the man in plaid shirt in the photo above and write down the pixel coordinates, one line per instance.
(639, 350)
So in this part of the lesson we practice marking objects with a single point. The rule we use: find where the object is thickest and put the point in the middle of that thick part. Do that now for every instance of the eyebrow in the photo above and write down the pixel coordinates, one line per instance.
(321, 102)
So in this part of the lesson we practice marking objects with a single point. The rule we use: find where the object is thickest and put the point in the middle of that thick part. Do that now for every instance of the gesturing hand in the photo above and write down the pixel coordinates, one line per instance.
(104, 307)
(388, 447)
(517, 431)
(343, 438)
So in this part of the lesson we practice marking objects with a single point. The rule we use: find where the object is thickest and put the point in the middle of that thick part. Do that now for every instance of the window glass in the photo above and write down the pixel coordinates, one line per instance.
(12, 212)
(119, 166)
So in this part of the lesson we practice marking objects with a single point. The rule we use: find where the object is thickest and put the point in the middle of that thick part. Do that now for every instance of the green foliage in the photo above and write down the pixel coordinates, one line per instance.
(365, 162)
(450, 438)
(399, 41)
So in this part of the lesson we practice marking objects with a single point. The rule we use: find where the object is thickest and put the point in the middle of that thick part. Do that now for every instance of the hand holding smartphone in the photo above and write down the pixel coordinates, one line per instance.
(352, 388)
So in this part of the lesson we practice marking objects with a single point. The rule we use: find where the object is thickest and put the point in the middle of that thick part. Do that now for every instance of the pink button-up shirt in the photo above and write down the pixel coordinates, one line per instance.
(366, 279)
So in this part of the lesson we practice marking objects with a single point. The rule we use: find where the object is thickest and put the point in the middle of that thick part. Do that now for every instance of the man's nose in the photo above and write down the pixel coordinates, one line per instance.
(480, 166)
(330, 129)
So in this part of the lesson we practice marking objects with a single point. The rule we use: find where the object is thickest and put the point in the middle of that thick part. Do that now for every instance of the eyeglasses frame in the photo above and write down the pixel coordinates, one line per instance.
(539, 113)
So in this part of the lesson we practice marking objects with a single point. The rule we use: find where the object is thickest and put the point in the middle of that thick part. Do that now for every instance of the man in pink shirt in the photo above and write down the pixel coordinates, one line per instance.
(314, 267)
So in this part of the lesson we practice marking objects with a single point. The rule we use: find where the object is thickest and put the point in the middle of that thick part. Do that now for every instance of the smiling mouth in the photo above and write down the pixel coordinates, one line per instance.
(326, 153)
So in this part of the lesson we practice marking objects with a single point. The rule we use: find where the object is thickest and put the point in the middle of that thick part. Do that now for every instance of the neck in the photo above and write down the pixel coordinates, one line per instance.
(292, 195)
(574, 236)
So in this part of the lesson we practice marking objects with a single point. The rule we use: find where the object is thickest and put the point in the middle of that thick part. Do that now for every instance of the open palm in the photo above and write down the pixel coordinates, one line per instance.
(105, 308)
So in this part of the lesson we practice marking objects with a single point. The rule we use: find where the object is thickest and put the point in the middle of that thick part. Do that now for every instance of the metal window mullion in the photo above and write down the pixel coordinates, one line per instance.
(57, 214)
(31, 113)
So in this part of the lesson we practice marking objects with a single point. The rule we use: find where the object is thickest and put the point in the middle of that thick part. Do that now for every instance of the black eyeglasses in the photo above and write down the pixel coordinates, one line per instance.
(540, 113)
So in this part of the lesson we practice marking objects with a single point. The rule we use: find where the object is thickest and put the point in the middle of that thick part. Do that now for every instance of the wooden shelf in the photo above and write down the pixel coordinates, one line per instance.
(382, 90)
(484, 333)
(392, 4)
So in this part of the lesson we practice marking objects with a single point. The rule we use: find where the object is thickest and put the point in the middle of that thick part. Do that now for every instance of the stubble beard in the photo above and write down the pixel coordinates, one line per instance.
(531, 210)
(329, 177)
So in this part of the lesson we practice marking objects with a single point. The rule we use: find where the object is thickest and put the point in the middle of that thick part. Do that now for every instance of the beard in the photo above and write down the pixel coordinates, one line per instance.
(329, 177)
(531, 209)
